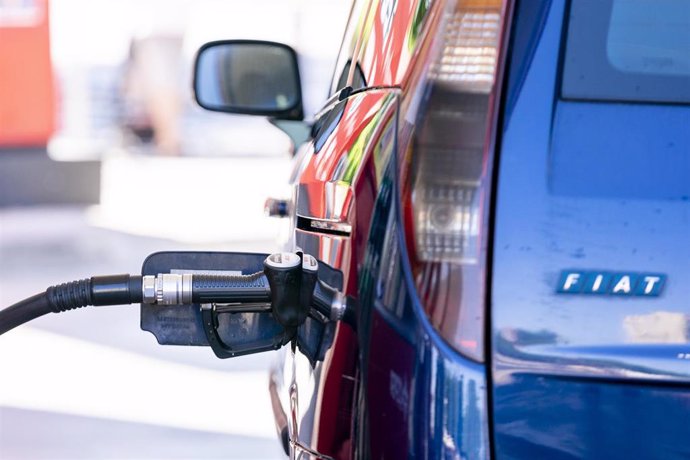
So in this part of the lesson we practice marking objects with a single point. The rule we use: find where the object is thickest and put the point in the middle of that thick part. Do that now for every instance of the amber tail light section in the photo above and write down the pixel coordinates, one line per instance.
(448, 183)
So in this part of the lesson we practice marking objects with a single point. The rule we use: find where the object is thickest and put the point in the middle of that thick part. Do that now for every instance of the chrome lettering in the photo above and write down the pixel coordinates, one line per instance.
(623, 285)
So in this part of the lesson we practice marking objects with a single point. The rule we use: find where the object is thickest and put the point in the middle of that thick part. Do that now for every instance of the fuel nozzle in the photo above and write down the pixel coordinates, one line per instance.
(289, 282)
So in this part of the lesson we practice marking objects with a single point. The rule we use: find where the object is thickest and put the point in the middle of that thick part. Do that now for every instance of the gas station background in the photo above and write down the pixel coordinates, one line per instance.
(82, 193)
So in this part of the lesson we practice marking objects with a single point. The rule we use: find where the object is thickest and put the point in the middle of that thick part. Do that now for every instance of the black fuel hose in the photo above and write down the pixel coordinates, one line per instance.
(24, 311)
(97, 291)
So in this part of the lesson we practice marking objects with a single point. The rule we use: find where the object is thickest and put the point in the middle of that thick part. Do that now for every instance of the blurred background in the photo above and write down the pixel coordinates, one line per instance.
(104, 159)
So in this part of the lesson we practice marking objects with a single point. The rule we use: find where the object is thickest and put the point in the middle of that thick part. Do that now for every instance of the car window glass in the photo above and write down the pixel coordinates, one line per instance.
(628, 50)
(357, 78)
(347, 49)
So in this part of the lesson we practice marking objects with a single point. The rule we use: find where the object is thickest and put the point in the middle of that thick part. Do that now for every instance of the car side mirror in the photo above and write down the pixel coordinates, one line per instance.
(249, 77)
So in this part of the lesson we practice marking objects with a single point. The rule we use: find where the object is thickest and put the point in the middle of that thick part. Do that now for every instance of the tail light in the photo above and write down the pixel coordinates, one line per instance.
(448, 180)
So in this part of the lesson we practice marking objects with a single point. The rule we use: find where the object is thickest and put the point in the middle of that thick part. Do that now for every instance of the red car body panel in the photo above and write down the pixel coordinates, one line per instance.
(339, 184)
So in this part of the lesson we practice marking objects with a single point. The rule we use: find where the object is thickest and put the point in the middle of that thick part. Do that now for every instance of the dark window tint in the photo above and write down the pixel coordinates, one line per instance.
(353, 31)
(357, 78)
(628, 50)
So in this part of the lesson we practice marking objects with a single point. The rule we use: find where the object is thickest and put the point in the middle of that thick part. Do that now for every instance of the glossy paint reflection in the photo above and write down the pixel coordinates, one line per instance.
(343, 169)
(419, 397)
(558, 418)
(326, 186)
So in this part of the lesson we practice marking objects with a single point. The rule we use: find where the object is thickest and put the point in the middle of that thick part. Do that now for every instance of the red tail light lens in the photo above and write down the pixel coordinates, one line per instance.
(448, 181)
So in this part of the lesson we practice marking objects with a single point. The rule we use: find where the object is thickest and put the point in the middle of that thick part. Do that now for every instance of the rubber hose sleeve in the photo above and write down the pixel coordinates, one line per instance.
(115, 290)
(24, 311)
(69, 296)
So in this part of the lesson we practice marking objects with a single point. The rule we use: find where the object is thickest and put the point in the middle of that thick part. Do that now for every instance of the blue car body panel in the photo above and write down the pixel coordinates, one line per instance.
(582, 186)
(590, 187)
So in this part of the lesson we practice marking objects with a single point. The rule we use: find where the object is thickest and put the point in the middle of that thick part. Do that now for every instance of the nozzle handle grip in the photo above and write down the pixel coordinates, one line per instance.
(209, 288)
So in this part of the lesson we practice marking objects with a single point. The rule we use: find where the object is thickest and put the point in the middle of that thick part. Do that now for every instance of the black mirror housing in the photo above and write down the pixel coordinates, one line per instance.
(249, 77)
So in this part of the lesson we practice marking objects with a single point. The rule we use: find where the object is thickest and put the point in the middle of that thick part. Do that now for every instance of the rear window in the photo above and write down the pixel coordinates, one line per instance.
(628, 50)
